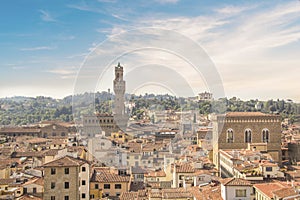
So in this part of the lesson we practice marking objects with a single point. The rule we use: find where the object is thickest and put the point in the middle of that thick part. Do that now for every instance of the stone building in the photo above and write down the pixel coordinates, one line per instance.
(205, 96)
(294, 151)
(244, 130)
(107, 122)
(66, 178)
(119, 113)
(43, 129)
(95, 124)
(54, 129)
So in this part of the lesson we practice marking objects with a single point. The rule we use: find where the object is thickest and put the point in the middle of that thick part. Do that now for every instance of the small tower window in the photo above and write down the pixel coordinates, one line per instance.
(229, 138)
(265, 135)
(248, 136)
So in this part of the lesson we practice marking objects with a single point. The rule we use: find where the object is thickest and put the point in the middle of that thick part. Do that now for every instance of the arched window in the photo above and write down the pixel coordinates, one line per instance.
(229, 137)
(248, 136)
(265, 135)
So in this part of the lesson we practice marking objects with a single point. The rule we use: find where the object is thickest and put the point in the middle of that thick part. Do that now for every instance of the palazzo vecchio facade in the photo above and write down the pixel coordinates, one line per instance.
(247, 130)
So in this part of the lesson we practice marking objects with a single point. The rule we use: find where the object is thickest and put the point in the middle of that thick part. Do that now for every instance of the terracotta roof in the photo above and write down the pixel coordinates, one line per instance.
(27, 154)
(179, 195)
(172, 193)
(105, 176)
(160, 173)
(134, 147)
(38, 181)
(269, 188)
(184, 168)
(66, 161)
(235, 182)
(285, 192)
(211, 193)
(37, 140)
(58, 141)
(129, 196)
(19, 130)
(139, 195)
(29, 197)
(7, 181)
(51, 152)
(245, 114)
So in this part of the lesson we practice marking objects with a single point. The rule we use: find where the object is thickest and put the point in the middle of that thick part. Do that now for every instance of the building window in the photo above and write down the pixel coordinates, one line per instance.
(34, 190)
(83, 195)
(66, 197)
(83, 169)
(66, 185)
(240, 193)
(96, 186)
(66, 170)
(265, 135)
(106, 186)
(181, 177)
(52, 185)
(25, 190)
(229, 137)
(118, 186)
(269, 169)
(83, 182)
(53, 171)
(106, 194)
(248, 136)
(52, 198)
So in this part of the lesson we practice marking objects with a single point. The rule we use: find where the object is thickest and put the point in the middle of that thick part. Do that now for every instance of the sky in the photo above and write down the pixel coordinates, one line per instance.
(248, 49)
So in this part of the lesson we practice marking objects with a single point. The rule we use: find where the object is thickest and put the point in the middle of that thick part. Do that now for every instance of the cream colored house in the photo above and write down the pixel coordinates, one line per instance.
(66, 177)
(109, 182)
(236, 189)
(34, 187)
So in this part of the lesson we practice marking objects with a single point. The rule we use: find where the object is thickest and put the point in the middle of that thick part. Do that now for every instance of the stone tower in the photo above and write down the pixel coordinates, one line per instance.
(119, 108)
(119, 89)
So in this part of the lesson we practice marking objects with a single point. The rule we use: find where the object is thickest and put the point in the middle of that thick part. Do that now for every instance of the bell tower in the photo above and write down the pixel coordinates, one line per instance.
(120, 116)
(119, 89)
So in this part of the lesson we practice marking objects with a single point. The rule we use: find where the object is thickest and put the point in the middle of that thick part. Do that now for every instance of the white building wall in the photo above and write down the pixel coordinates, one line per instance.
(229, 192)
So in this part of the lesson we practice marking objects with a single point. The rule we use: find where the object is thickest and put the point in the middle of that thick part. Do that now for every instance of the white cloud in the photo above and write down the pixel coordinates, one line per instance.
(242, 41)
(46, 16)
(107, 1)
(63, 70)
(85, 7)
(38, 48)
(119, 17)
(167, 1)
(233, 10)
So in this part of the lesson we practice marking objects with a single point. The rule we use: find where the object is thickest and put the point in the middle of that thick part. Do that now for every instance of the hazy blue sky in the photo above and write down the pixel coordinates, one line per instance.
(254, 44)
